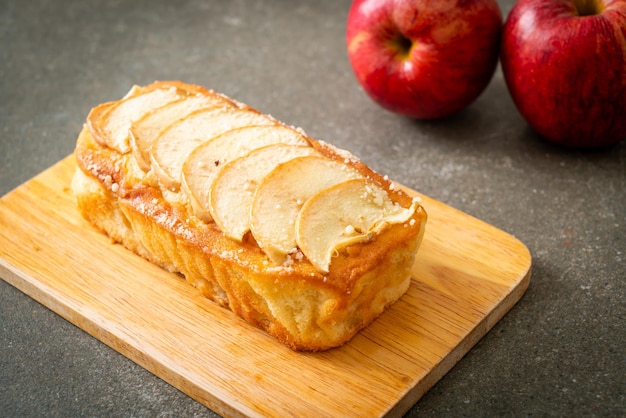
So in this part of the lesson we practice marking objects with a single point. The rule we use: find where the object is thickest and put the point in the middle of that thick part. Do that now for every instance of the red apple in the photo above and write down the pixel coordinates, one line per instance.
(564, 62)
(424, 58)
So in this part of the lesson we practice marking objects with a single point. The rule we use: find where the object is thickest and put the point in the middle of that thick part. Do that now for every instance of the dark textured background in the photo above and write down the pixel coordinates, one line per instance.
(561, 351)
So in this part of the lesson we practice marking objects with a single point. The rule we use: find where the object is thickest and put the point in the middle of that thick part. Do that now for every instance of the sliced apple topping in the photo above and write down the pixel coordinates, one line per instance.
(175, 143)
(347, 213)
(203, 164)
(145, 130)
(282, 193)
(232, 192)
(110, 126)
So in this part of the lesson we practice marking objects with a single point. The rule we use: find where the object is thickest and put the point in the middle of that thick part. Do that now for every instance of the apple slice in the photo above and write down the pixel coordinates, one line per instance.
(347, 213)
(206, 161)
(145, 130)
(174, 144)
(232, 192)
(110, 123)
(282, 193)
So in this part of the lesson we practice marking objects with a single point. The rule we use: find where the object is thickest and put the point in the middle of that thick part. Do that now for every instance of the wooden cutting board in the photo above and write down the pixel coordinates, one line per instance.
(467, 275)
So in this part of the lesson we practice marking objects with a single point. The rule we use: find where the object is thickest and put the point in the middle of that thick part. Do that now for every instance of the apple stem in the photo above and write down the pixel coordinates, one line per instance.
(402, 45)
(589, 7)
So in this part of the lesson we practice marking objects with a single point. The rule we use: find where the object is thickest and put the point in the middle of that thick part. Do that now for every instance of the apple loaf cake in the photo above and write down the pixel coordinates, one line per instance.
(293, 235)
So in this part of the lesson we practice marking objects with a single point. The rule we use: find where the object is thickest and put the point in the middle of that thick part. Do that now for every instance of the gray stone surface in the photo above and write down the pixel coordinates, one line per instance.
(560, 351)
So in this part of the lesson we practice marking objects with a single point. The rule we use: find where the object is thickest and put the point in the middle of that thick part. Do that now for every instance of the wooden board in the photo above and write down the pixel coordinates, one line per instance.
(467, 275)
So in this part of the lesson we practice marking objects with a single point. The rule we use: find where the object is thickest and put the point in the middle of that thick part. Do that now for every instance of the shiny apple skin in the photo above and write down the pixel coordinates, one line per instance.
(454, 54)
(567, 73)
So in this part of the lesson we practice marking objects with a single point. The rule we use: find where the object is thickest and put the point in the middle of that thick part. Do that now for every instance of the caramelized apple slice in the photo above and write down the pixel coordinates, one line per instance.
(232, 192)
(109, 123)
(347, 213)
(206, 160)
(282, 193)
(174, 144)
(145, 130)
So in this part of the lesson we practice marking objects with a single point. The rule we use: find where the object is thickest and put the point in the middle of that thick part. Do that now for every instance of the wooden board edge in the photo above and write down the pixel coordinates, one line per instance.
(465, 345)
(46, 297)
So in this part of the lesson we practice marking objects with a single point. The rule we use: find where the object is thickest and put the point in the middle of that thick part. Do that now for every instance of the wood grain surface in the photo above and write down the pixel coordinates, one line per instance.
(467, 275)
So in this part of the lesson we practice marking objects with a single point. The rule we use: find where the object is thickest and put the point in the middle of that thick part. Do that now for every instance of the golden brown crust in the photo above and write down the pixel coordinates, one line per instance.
(300, 306)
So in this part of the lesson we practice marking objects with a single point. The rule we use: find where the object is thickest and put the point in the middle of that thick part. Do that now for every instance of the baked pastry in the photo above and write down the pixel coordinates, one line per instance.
(292, 234)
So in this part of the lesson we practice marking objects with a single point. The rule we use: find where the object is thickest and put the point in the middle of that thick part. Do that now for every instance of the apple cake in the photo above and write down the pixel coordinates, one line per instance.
(293, 235)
